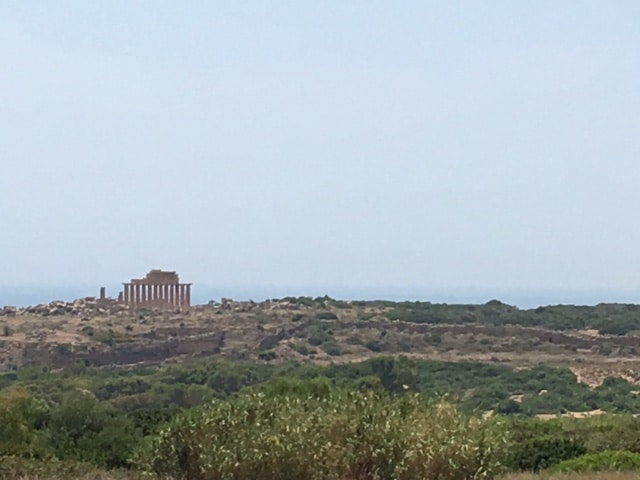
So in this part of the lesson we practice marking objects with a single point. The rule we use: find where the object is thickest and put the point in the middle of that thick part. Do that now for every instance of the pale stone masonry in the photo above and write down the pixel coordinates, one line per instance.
(157, 289)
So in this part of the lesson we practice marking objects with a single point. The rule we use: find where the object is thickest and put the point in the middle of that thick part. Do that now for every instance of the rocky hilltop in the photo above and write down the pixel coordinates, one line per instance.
(88, 306)
(322, 330)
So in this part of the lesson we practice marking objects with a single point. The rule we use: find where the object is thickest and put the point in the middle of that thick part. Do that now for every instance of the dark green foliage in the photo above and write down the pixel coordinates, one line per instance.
(326, 316)
(533, 441)
(84, 430)
(508, 407)
(302, 301)
(340, 304)
(268, 356)
(320, 334)
(301, 349)
(374, 345)
(607, 461)
(332, 348)
(88, 330)
(270, 341)
(99, 415)
(147, 419)
(614, 319)
(540, 453)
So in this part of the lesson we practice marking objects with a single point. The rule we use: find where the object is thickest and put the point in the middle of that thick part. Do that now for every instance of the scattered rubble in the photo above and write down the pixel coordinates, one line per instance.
(91, 307)
(86, 307)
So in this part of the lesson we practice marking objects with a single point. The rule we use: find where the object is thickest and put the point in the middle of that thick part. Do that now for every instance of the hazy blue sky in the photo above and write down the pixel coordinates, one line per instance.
(417, 146)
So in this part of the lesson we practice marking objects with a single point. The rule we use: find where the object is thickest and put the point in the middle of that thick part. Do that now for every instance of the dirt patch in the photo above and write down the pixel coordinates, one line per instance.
(594, 375)
(551, 416)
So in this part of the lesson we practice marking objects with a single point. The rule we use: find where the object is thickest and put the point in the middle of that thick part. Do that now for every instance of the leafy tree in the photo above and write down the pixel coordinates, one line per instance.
(20, 414)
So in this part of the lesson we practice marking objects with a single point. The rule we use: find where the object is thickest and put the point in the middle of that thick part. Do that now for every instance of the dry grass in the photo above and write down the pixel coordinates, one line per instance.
(246, 325)
(97, 475)
(575, 476)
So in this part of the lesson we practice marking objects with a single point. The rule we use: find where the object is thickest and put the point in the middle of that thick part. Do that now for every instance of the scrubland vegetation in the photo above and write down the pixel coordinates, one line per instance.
(615, 319)
(313, 431)
(319, 392)
(387, 418)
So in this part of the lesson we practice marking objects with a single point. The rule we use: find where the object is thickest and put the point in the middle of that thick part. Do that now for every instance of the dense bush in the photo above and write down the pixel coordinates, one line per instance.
(326, 435)
(613, 319)
(331, 348)
(540, 453)
(599, 462)
(100, 415)
(326, 316)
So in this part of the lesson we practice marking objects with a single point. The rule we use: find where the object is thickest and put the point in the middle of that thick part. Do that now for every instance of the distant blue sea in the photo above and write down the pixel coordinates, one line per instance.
(21, 296)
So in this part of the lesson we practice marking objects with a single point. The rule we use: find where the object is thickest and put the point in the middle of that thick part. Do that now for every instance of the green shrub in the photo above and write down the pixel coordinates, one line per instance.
(302, 301)
(268, 356)
(540, 453)
(332, 348)
(316, 340)
(107, 338)
(326, 316)
(301, 349)
(599, 462)
(374, 346)
(341, 304)
(320, 335)
(88, 330)
(82, 429)
(355, 435)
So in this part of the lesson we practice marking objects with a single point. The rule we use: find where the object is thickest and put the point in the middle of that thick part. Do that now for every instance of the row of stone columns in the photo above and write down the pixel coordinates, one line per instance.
(177, 294)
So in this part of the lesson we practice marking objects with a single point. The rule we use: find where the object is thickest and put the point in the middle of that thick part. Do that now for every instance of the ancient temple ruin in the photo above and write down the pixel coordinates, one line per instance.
(157, 289)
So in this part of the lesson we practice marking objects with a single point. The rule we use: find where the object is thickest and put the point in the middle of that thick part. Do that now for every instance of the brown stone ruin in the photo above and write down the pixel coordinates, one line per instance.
(157, 289)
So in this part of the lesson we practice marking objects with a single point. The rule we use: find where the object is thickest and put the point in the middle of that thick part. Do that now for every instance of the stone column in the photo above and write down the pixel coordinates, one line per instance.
(188, 295)
(126, 293)
(165, 294)
(138, 294)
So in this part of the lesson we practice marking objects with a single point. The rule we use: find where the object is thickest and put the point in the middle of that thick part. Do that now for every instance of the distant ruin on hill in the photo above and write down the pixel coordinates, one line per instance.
(158, 289)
